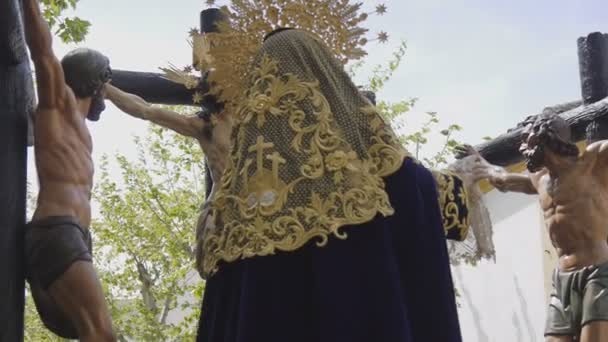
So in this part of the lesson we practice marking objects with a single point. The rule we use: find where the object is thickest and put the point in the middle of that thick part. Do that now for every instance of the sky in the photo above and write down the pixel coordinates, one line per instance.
(484, 65)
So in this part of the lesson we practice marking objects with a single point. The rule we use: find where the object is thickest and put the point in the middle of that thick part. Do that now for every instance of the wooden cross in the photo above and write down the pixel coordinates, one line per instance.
(16, 103)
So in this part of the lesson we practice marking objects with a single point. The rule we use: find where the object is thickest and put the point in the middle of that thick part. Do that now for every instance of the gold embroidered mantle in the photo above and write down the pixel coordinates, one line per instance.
(453, 203)
(309, 153)
(466, 220)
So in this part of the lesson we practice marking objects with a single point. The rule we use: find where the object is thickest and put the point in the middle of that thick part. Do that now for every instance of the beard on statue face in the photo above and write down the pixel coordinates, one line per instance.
(533, 150)
(97, 106)
(535, 157)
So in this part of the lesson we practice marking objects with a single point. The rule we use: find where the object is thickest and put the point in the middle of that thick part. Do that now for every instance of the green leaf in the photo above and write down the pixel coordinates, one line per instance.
(70, 30)
(455, 127)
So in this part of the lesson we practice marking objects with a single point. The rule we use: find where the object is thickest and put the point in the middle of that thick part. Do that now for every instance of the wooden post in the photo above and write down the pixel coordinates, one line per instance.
(209, 18)
(16, 103)
(593, 66)
(593, 70)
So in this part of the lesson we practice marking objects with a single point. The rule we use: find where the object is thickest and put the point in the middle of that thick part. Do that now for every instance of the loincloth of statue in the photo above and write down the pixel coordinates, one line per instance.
(578, 298)
(52, 244)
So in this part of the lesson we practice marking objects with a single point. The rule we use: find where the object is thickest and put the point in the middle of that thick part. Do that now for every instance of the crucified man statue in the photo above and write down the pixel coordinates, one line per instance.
(573, 194)
(63, 281)
(212, 133)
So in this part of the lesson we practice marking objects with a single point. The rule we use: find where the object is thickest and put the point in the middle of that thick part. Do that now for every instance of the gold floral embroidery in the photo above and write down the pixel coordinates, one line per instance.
(453, 202)
(338, 161)
(294, 173)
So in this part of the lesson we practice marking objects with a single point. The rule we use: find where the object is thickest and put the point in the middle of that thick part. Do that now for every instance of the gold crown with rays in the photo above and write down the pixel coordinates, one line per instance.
(228, 53)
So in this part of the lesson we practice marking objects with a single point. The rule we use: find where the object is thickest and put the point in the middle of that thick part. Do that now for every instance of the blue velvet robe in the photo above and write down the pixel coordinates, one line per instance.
(388, 281)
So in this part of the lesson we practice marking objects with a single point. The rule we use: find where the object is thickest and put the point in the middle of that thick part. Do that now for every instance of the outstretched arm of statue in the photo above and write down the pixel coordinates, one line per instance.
(514, 182)
(49, 73)
(500, 178)
(465, 216)
(139, 108)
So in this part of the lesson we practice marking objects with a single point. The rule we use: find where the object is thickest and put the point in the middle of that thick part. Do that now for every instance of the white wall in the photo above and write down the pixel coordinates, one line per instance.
(505, 301)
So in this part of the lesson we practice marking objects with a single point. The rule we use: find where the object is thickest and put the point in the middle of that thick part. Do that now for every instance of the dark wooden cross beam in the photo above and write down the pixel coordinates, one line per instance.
(593, 60)
(153, 87)
(16, 104)
(588, 117)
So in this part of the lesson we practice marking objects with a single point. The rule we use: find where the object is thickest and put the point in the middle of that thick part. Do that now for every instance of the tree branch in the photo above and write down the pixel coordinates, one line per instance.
(146, 286)
(186, 249)
(166, 308)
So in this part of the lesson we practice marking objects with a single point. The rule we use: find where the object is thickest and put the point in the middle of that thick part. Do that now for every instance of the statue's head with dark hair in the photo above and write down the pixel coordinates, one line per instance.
(86, 71)
(546, 135)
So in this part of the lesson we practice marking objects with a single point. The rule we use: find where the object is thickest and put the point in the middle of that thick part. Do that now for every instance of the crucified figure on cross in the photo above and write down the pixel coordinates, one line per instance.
(58, 255)
(572, 189)
(212, 134)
